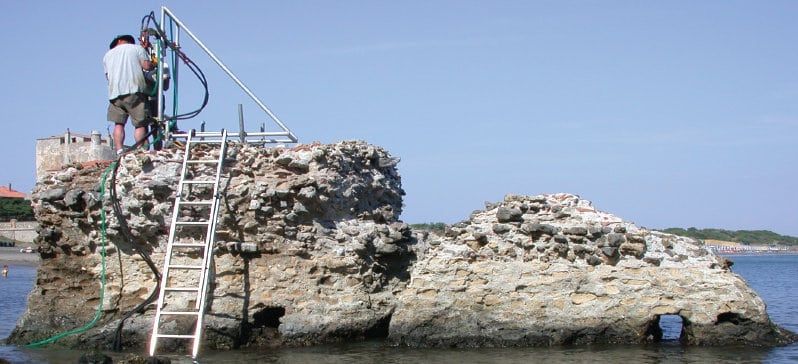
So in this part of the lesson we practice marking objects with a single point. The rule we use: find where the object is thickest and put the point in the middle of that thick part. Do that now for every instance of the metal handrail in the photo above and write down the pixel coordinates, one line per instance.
(165, 12)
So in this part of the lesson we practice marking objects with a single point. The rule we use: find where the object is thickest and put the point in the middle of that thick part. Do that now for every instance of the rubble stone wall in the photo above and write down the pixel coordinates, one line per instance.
(334, 262)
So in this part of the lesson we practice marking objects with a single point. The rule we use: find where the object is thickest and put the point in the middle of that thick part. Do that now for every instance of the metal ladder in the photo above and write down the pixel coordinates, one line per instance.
(186, 257)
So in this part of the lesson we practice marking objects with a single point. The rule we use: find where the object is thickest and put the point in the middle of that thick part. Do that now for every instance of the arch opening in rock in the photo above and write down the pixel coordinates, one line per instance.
(667, 328)
(268, 317)
(671, 327)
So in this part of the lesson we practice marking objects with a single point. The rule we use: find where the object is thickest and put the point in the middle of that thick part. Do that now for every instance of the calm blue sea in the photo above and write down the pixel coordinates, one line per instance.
(775, 278)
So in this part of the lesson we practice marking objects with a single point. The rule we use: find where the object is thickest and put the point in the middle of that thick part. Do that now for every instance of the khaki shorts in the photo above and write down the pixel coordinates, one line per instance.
(133, 105)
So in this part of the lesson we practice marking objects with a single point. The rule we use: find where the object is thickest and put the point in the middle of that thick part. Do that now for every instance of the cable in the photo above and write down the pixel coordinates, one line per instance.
(145, 23)
(125, 229)
(98, 312)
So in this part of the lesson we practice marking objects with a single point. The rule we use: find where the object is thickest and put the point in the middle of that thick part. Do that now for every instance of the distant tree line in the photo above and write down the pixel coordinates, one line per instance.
(14, 208)
(748, 237)
(437, 227)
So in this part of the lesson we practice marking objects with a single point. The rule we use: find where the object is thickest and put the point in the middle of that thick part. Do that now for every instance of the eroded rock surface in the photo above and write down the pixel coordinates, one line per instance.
(311, 250)
(551, 269)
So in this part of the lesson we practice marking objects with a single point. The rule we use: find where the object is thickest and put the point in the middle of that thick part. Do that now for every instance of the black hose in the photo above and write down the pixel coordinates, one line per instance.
(145, 23)
(125, 229)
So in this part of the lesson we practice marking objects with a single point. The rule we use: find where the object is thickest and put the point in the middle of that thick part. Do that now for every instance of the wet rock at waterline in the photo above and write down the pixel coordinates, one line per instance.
(311, 250)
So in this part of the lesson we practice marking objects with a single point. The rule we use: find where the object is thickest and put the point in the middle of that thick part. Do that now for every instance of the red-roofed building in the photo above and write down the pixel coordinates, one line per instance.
(8, 192)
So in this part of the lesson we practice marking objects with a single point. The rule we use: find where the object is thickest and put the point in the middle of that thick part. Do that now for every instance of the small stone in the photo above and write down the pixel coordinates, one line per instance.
(383, 248)
(388, 162)
(615, 239)
(73, 198)
(609, 251)
(593, 260)
(299, 165)
(532, 229)
(307, 193)
(505, 214)
(52, 194)
(300, 209)
(637, 250)
(635, 238)
(577, 239)
(91, 199)
(561, 248)
(481, 237)
(284, 160)
(653, 261)
(501, 228)
(575, 230)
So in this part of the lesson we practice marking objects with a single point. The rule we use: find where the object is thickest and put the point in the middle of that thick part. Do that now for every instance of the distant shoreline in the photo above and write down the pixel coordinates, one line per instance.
(12, 256)
(757, 254)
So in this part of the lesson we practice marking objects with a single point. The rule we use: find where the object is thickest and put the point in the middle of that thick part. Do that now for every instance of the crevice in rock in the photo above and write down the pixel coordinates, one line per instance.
(730, 317)
(268, 317)
(379, 330)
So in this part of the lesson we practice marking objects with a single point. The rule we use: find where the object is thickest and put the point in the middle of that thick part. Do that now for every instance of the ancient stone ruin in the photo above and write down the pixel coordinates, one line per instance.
(312, 250)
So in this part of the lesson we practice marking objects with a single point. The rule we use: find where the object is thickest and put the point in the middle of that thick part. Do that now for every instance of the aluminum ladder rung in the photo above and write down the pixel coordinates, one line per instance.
(206, 141)
(204, 202)
(198, 177)
(181, 289)
(175, 336)
(194, 182)
(192, 223)
(185, 266)
(188, 245)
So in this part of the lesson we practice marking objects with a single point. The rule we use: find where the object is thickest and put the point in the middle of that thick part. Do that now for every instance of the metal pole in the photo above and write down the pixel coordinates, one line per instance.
(230, 135)
(165, 10)
(242, 134)
(161, 55)
(159, 52)
(175, 66)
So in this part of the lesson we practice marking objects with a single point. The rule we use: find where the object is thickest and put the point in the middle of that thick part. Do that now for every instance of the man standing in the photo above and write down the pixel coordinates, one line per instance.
(123, 66)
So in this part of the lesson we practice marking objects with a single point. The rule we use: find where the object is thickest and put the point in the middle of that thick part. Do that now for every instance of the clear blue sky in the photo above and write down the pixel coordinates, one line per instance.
(666, 113)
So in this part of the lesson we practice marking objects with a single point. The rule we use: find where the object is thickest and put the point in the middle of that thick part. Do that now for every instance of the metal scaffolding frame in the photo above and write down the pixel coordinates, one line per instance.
(283, 136)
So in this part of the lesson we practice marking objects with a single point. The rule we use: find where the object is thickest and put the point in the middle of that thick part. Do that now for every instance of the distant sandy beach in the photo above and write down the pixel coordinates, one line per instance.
(12, 256)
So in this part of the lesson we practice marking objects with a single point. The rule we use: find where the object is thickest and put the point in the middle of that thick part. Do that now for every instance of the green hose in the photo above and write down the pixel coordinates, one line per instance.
(98, 313)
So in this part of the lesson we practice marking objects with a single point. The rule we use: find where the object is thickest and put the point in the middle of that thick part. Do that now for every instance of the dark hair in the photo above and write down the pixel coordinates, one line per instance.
(126, 37)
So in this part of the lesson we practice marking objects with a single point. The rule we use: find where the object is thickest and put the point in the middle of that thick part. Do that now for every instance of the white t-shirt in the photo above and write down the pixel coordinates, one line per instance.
(122, 65)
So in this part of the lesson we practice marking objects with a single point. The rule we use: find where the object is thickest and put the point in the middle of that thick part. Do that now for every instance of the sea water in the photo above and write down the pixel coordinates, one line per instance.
(775, 278)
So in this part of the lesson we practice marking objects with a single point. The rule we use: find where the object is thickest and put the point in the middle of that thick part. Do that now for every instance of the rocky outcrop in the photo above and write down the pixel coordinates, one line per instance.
(311, 250)
(324, 220)
(551, 269)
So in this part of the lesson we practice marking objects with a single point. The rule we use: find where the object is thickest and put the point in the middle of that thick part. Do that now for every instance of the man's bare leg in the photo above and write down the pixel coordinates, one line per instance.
(119, 136)
(140, 133)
